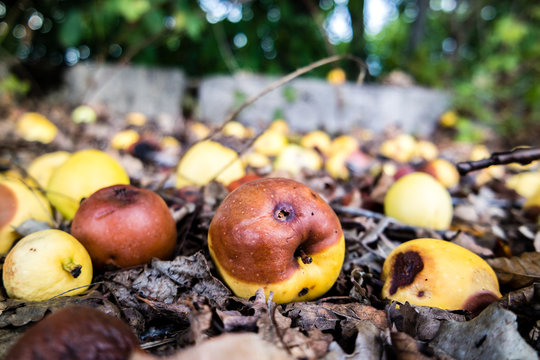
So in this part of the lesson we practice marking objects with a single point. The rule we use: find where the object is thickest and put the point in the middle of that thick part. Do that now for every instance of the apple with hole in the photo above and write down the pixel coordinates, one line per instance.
(76, 332)
(122, 225)
(45, 264)
(279, 235)
(438, 273)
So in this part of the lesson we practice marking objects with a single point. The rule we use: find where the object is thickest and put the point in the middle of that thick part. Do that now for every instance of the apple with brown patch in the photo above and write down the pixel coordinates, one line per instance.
(279, 235)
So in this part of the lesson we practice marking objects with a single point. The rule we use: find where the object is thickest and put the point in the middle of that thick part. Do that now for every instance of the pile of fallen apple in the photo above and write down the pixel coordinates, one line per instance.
(67, 217)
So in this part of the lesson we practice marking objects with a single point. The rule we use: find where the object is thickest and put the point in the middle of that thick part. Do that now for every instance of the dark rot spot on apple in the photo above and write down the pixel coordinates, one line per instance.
(406, 266)
(479, 301)
(303, 292)
(284, 212)
(123, 193)
(314, 195)
(421, 294)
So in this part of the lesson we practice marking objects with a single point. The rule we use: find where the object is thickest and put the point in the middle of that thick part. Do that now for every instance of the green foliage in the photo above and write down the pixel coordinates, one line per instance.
(13, 86)
(486, 52)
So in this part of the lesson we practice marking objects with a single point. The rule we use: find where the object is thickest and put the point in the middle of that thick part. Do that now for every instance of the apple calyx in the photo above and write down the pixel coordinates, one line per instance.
(72, 268)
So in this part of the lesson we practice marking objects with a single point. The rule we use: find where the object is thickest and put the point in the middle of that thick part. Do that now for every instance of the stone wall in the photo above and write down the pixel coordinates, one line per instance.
(306, 103)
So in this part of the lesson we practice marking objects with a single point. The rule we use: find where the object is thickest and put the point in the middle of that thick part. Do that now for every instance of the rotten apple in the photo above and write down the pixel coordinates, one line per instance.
(122, 225)
(279, 235)
(438, 273)
(76, 332)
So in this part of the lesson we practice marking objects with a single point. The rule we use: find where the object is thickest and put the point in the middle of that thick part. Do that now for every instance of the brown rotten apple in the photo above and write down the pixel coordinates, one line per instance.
(122, 225)
(279, 235)
(76, 332)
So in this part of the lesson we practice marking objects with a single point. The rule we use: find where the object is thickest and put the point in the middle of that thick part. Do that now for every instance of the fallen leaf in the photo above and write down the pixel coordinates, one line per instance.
(518, 271)
(491, 335)
(406, 347)
(31, 226)
(420, 322)
(368, 344)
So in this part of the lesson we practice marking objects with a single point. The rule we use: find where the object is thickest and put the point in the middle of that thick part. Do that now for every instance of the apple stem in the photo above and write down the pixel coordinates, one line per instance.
(306, 259)
(72, 268)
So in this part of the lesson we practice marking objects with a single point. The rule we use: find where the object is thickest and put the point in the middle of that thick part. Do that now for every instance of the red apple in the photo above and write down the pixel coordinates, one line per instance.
(122, 225)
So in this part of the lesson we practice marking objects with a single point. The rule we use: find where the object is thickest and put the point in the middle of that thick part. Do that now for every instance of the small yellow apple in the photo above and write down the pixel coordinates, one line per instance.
(33, 126)
(19, 202)
(83, 114)
(199, 130)
(437, 273)
(82, 174)
(418, 199)
(317, 139)
(293, 158)
(235, 129)
(270, 143)
(524, 183)
(42, 167)
(336, 76)
(45, 264)
(426, 150)
(124, 139)
(206, 161)
(279, 125)
(401, 148)
(343, 143)
(442, 170)
(136, 118)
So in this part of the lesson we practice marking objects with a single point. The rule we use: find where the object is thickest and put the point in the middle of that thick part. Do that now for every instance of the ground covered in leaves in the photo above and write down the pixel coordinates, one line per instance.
(172, 305)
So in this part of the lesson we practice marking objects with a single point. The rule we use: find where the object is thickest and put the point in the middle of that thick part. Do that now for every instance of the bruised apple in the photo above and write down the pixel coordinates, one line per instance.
(122, 225)
(279, 235)
(76, 332)
(437, 273)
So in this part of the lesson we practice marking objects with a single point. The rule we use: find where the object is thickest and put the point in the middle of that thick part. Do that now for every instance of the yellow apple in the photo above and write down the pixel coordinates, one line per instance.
(33, 126)
(317, 139)
(437, 273)
(270, 142)
(82, 174)
(206, 161)
(45, 264)
(418, 199)
(293, 158)
(42, 167)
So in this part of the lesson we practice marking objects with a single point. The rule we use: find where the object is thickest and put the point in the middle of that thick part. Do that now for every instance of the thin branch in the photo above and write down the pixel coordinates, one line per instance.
(522, 156)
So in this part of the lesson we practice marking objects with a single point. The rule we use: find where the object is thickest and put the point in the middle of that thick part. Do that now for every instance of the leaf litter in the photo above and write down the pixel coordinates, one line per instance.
(180, 309)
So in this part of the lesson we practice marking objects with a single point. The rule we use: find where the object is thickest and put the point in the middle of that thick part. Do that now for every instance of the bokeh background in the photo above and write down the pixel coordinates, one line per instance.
(485, 52)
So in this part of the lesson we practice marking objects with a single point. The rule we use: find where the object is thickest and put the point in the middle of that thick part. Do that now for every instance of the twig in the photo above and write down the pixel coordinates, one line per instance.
(284, 80)
(358, 212)
(522, 156)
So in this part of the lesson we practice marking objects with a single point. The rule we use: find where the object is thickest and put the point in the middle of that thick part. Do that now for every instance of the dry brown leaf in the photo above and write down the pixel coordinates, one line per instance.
(518, 271)
(406, 347)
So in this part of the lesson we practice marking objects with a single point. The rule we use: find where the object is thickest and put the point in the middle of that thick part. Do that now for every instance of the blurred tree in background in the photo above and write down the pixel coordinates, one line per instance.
(485, 51)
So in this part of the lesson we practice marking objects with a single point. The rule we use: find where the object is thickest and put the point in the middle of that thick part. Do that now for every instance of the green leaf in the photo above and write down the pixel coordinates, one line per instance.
(71, 30)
